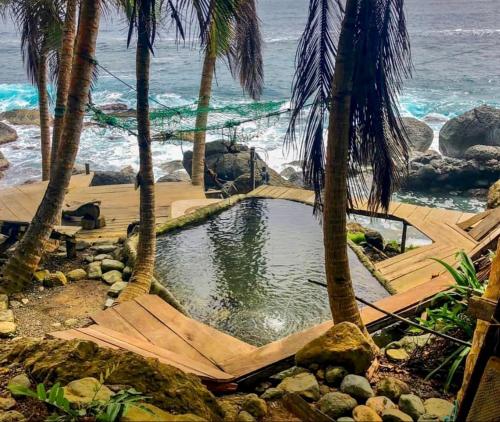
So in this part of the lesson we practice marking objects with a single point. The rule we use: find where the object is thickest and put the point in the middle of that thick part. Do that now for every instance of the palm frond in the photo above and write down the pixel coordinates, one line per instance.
(312, 85)
(245, 57)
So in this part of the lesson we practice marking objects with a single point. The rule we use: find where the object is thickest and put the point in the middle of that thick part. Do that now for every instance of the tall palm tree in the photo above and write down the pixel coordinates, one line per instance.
(355, 81)
(233, 31)
(63, 78)
(40, 26)
(21, 265)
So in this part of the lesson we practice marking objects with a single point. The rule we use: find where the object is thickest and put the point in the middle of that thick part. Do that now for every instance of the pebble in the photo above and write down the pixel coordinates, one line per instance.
(304, 384)
(272, 394)
(116, 288)
(25, 301)
(14, 304)
(7, 329)
(112, 277)
(392, 387)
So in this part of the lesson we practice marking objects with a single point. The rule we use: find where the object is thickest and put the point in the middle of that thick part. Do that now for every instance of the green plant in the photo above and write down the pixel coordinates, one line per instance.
(356, 237)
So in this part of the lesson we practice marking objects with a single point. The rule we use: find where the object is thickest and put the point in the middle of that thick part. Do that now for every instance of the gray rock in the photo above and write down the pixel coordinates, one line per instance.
(102, 256)
(76, 274)
(482, 153)
(334, 375)
(176, 176)
(112, 277)
(103, 249)
(104, 178)
(304, 384)
(412, 405)
(294, 370)
(112, 264)
(438, 407)
(395, 415)
(337, 404)
(428, 418)
(479, 126)
(288, 172)
(272, 394)
(419, 133)
(356, 386)
(116, 288)
(172, 166)
(392, 387)
(22, 117)
(7, 133)
(94, 271)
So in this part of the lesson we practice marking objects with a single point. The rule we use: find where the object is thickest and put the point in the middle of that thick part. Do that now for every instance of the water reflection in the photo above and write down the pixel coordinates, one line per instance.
(245, 270)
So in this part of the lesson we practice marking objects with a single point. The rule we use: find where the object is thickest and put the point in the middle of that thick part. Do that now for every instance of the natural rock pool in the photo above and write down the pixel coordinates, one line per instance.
(244, 271)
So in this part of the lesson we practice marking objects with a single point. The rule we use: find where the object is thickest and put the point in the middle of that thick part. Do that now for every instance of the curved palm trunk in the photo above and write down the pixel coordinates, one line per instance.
(142, 276)
(340, 290)
(198, 165)
(20, 267)
(63, 80)
(43, 107)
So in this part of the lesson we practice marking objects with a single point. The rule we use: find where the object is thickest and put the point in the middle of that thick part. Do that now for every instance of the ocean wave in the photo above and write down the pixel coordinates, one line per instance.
(461, 31)
(17, 96)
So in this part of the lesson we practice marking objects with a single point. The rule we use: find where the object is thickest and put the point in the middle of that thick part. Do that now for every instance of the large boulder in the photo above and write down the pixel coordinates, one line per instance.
(122, 177)
(482, 153)
(479, 126)
(344, 344)
(419, 133)
(228, 162)
(22, 117)
(7, 133)
(64, 361)
(494, 195)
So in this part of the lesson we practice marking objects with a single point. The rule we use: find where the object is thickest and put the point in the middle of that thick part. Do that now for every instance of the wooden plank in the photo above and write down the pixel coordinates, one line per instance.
(112, 319)
(473, 220)
(74, 334)
(486, 225)
(404, 210)
(303, 410)
(205, 339)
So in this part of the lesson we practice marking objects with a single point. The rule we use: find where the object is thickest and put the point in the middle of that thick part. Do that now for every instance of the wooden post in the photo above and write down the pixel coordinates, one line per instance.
(70, 247)
(87, 168)
(403, 237)
(252, 167)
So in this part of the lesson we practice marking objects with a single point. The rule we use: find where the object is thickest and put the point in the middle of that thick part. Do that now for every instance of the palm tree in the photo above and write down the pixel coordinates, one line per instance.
(356, 81)
(40, 26)
(63, 78)
(234, 32)
(20, 267)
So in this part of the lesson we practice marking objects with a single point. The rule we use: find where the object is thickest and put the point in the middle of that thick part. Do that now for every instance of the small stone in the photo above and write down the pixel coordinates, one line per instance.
(304, 384)
(25, 301)
(254, 405)
(263, 386)
(112, 264)
(356, 386)
(40, 275)
(244, 416)
(116, 288)
(324, 389)
(438, 407)
(334, 375)
(365, 414)
(11, 416)
(56, 325)
(395, 415)
(94, 270)
(127, 273)
(103, 256)
(4, 302)
(380, 403)
(71, 322)
(77, 274)
(7, 403)
(345, 419)
(14, 304)
(411, 404)
(397, 355)
(85, 390)
(112, 277)
(392, 387)
(320, 374)
(109, 303)
(7, 329)
(40, 289)
(103, 248)
(428, 418)
(337, 404)
(55, 279)
(7, 316)
(19, 381)
(290, 372)
(272, 394)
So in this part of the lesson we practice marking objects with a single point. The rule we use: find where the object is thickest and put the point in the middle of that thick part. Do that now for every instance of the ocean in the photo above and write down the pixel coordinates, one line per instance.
(455, 48)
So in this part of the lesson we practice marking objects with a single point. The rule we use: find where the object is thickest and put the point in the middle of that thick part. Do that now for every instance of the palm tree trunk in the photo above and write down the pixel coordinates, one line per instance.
(340, 290)
(23, 262)
(43, 107)
(198, 165)
(142, 275)
(63, 79)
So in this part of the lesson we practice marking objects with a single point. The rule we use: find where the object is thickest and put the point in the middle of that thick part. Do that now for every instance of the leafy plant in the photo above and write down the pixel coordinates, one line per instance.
(356, 237)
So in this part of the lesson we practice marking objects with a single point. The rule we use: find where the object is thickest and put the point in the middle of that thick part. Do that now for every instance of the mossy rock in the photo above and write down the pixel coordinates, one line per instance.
(63, 361)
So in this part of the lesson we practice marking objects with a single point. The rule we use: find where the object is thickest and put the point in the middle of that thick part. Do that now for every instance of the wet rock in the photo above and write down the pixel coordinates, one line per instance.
(65, 361)
(116, 288)
(397, 355)
(4, 302)
(19, 381)
(85, 390)
(112, 264)
(254, 405)
(479, 126)
(304, 384)
(337, 404)
(272, 394)
(412, 405)
(22, 117)
(392, 387)
(55, 279)
(148, 413)
(438, 407)
(419, 133)
(395, 415)
(380, 403)
(11, 416)
(7, 329)
(482, 153)
(494, 195)
(365, 414)
(7, 403)
(7, 134)
(344, 344)
(294, 370)
(94, 270)
(112, 277)
(104, 178)
(356, 386)
(244, 416)
(77, 274)
(334, 375)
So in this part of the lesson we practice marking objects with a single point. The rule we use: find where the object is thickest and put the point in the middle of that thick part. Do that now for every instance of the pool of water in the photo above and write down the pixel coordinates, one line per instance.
(245, 270)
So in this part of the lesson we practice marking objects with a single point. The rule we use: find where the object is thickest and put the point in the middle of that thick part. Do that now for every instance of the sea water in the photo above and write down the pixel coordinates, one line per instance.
(455, 45)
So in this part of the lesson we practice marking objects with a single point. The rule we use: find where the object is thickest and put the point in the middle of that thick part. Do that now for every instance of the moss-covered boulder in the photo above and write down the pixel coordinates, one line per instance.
(145, 412)
(64, 361)
(344, 344)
